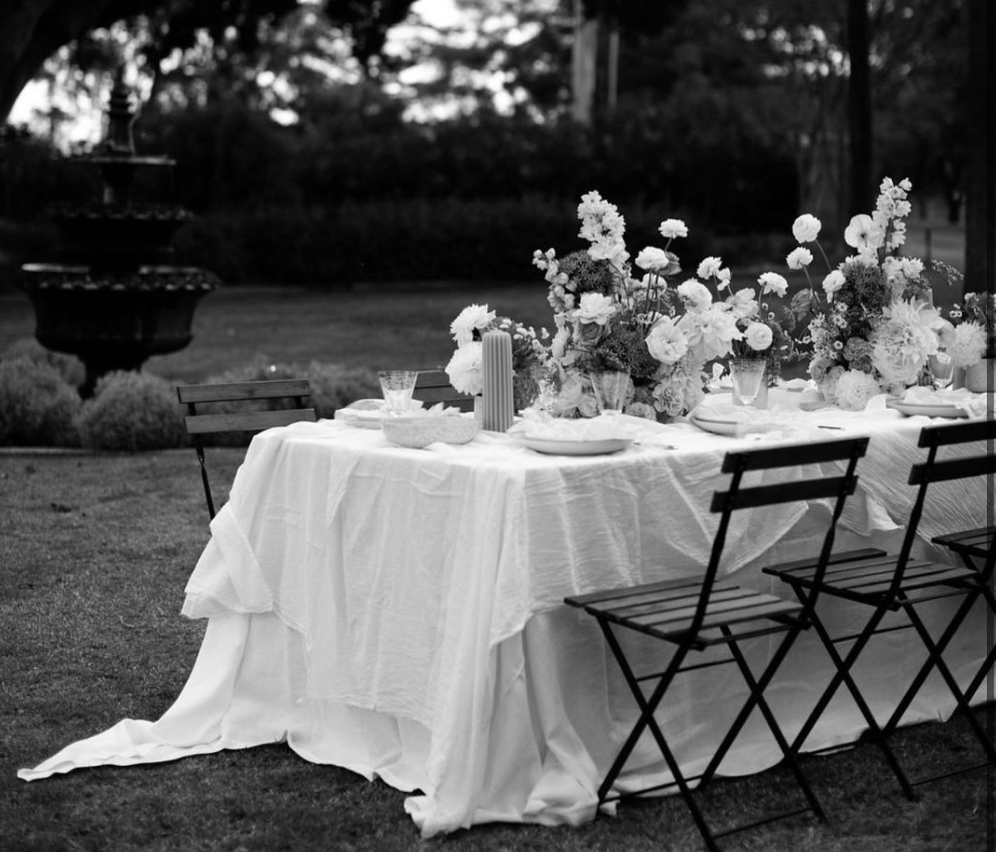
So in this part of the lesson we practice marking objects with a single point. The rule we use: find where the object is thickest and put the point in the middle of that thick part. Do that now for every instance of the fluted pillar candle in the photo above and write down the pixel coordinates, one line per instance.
(496, 362)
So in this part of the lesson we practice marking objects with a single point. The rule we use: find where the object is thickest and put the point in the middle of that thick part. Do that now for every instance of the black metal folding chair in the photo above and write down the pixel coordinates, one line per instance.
(291, 392)
(697, 613)
(901, 582)
(433, 386)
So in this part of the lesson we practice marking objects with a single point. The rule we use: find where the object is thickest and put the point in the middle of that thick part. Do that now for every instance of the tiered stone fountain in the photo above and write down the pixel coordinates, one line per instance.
(111, 297)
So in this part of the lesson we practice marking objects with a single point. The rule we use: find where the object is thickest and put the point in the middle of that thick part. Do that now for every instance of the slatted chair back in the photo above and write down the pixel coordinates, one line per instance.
(256, 415)
(932, 470)
(836, 487)
(433, 386)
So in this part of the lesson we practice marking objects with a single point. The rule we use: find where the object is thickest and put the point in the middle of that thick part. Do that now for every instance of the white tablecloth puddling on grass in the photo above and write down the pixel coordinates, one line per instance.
(400, 612)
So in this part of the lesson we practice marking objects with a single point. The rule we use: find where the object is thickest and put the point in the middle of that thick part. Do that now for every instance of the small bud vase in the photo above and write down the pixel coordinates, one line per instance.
(979, 377)
(761, 401)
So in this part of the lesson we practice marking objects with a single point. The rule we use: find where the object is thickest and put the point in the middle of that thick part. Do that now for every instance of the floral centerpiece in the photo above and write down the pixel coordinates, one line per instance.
(529, 355)
(662, 335)
(874, 327)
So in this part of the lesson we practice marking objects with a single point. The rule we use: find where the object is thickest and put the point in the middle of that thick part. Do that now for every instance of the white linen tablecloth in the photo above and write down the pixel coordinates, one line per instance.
(399, 612)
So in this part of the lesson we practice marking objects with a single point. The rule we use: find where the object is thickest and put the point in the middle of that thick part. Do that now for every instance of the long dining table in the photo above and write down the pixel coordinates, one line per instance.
(399, 612)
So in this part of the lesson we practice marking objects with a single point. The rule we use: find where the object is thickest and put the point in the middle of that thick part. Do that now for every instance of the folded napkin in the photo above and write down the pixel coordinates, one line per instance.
(973, 404)
(538, 424)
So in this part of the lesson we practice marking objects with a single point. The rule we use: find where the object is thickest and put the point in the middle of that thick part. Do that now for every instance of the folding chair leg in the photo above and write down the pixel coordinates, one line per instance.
(757, 697)
(935, 660)
(843, 668)
(648, 706)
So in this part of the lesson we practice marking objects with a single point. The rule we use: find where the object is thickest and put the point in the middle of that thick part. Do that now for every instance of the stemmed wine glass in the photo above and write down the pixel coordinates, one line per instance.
(610, 388)
(397, 387)
(747, 374)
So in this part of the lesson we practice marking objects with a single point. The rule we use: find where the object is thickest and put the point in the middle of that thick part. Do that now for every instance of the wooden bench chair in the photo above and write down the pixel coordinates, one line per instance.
(433, 386)
(257, 411)
(694, 614)
(901, 582)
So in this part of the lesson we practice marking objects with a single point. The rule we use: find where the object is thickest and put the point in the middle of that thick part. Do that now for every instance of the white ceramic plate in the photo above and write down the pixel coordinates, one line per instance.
(560, 447)
(718, 427)
(911, 409)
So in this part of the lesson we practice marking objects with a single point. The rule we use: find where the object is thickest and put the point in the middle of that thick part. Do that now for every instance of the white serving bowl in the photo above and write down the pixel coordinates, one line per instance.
(418, 432)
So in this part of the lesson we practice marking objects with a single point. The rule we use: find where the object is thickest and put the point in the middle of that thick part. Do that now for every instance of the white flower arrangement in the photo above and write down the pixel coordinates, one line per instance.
(874, 315)
(662, 335)
(465, 367)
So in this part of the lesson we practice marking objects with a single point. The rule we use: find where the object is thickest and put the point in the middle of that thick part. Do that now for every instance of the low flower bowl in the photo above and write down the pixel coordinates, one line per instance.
(419, 432)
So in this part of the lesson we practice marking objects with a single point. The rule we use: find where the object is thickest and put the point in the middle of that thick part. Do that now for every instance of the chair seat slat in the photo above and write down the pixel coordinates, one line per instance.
(694, 583)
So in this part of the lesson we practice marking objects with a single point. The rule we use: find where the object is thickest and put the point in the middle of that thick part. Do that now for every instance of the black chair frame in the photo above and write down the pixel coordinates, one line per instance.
(697, 613)
(891, 584)
(199, 424)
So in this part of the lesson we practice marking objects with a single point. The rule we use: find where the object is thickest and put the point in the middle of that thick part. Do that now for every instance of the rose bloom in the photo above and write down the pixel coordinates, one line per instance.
(833, 282)
(758, 336)
(798, 258)
(671, 228)
(596, 308)
(806, 228)
(772, 282)
(666, 341)
(709, 267)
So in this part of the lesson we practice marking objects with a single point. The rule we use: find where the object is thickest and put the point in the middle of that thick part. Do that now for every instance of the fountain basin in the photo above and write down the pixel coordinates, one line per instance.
(114, 320)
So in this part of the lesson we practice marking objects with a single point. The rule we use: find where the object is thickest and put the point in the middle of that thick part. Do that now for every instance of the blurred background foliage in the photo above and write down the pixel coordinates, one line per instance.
(329, 143)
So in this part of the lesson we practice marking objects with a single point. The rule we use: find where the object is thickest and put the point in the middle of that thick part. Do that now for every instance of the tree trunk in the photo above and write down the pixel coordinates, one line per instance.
(859, 107)
(584, 58)
(32, 30)
(980, 198)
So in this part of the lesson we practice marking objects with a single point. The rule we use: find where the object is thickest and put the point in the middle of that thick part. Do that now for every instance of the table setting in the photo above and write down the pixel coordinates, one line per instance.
(384, 589)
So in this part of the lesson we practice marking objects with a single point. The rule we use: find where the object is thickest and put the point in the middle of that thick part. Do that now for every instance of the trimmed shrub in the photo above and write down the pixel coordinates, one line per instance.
(68, 366)
(132, 411)
(37, 405)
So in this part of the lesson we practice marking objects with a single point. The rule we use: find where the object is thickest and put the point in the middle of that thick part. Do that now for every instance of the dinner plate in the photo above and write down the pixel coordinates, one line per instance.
(561, 447)
(718, 427)
(924, 409)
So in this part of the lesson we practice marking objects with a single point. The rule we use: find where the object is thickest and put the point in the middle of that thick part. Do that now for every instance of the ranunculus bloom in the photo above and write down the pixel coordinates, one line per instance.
(653, 259)
(696, 294)
(710, 267)
(758, 336)
(671, 228)
(799, 258)
(833, 282)
(806, 228)
(595, 308)
(772, 282)
(666, 341)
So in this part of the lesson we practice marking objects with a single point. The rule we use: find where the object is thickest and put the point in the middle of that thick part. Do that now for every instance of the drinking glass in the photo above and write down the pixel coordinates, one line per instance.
(747, 374)
(942, 368)
(397, 387)
(610, 390)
